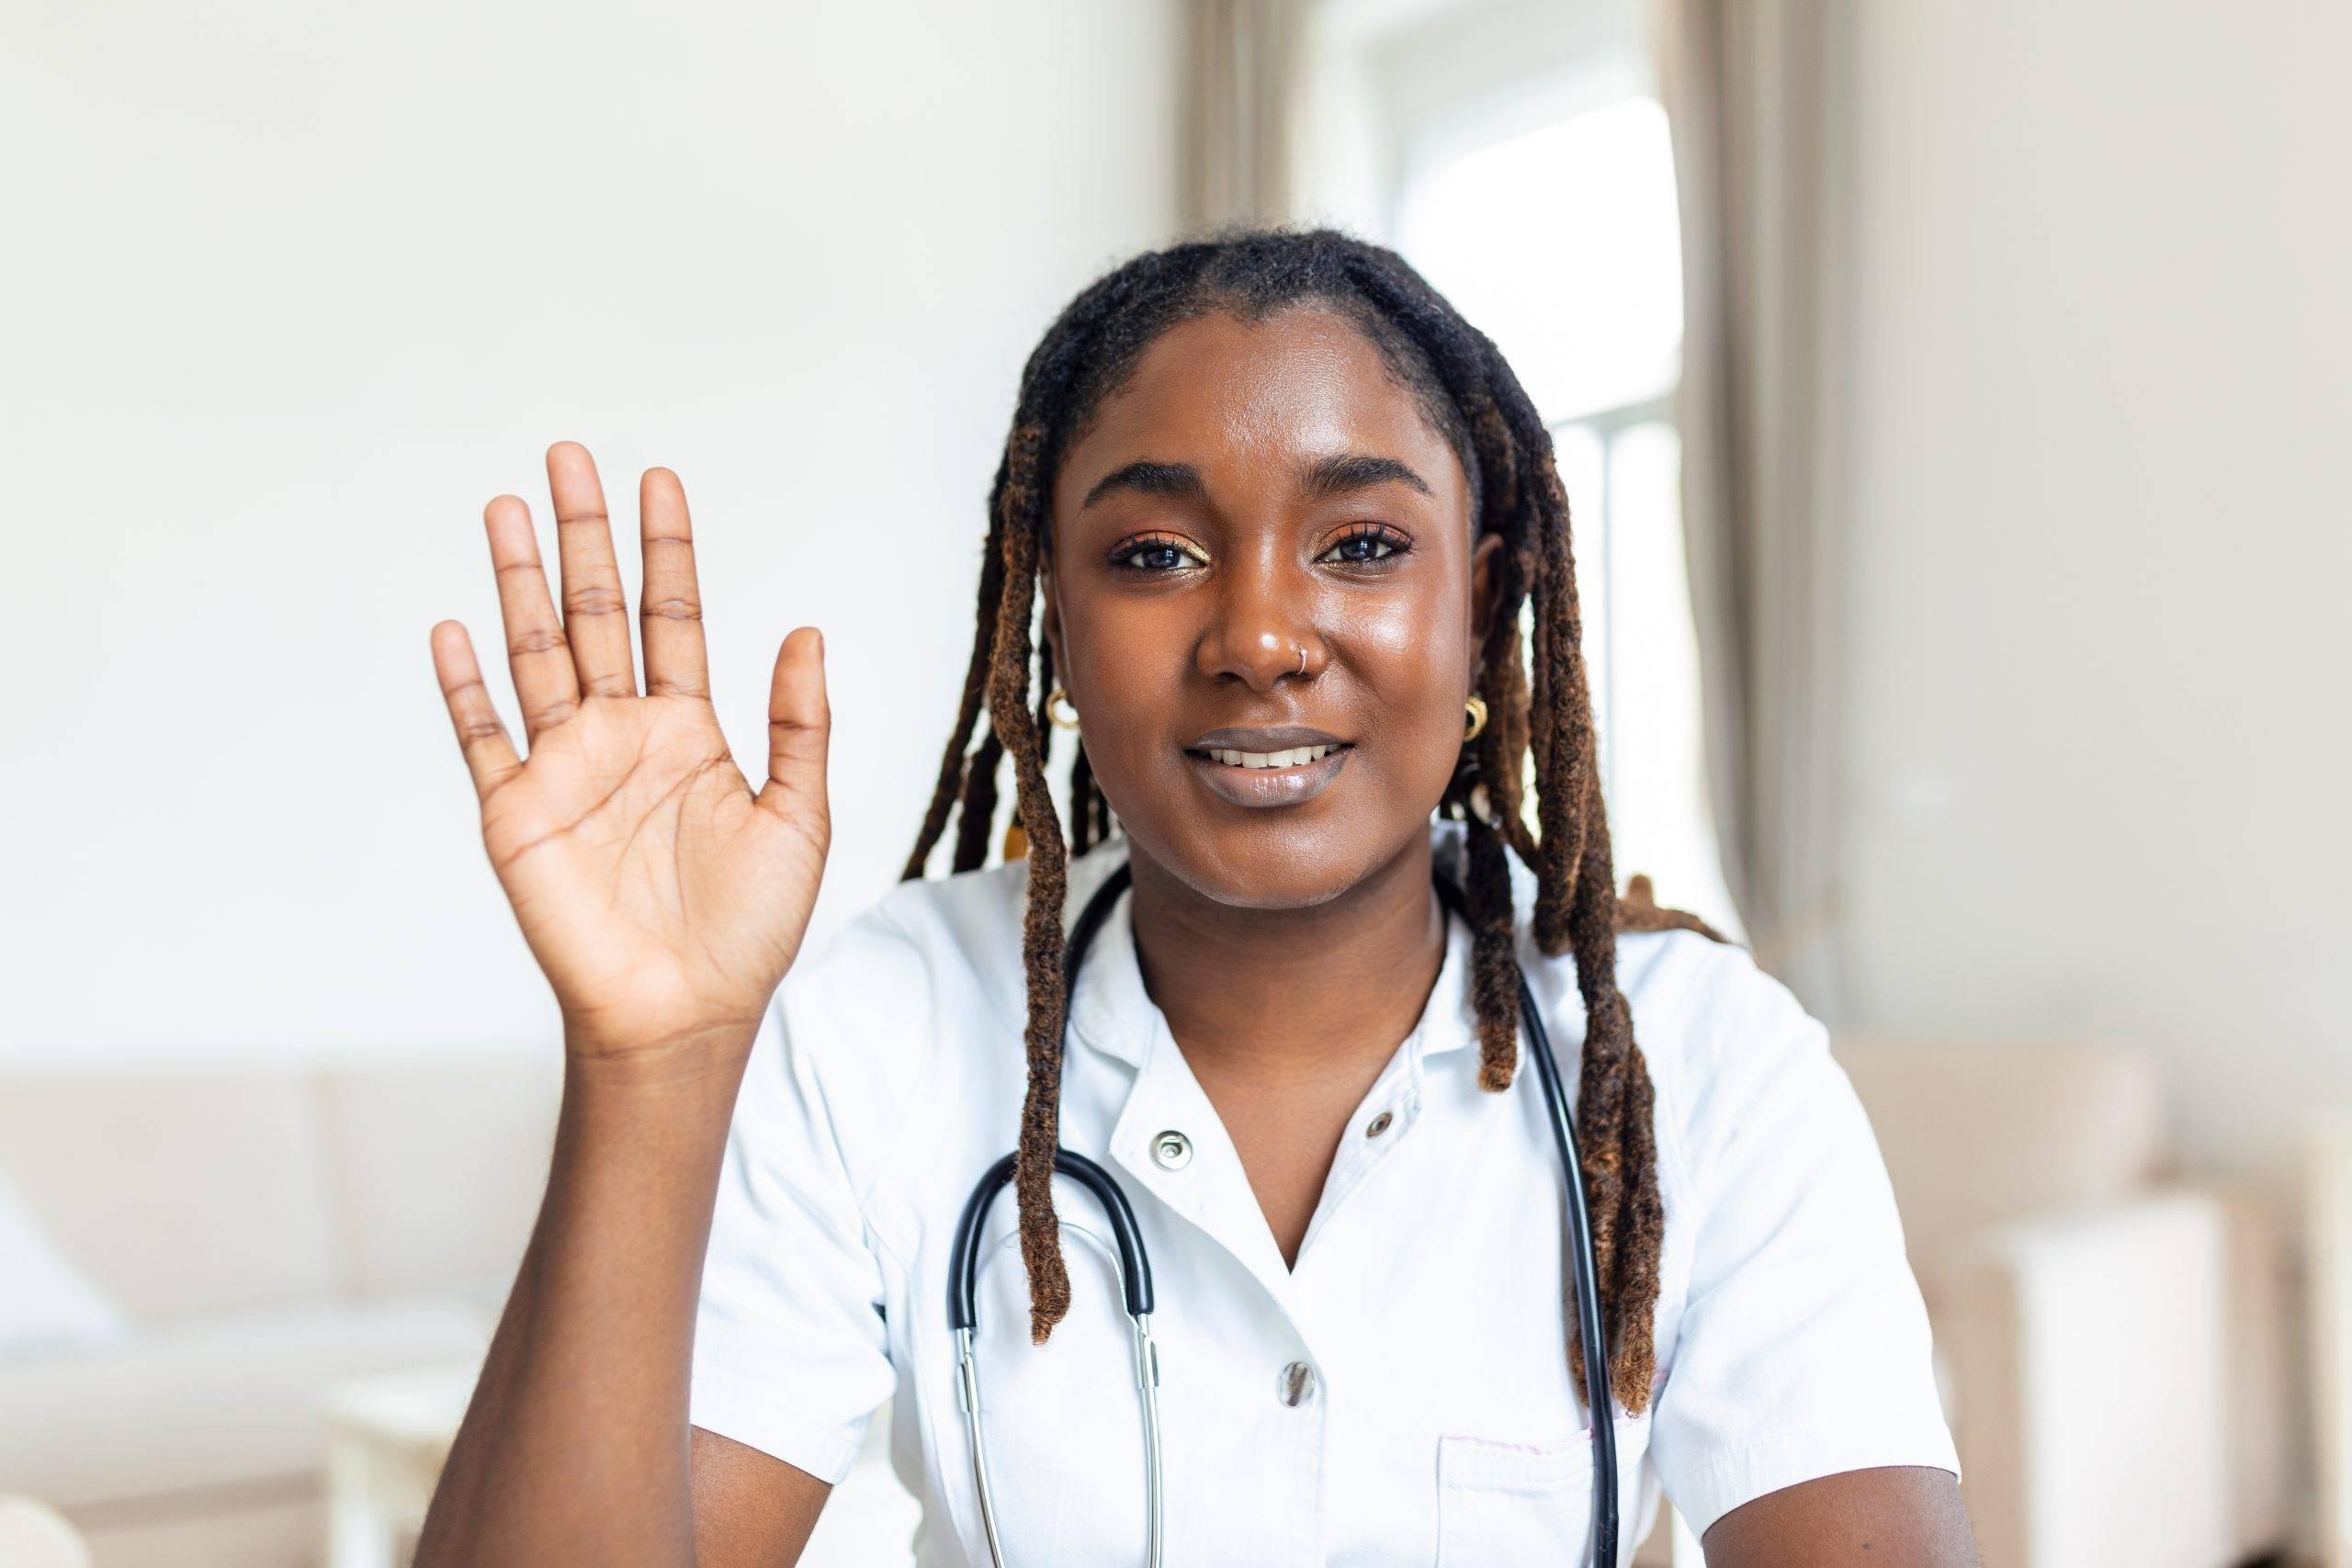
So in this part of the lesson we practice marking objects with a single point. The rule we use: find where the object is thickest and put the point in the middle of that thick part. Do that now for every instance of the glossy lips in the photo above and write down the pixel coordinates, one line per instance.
(1281, 766)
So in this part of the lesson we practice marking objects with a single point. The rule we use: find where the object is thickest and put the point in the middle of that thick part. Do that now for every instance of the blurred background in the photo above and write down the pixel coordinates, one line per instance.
(1952, 399)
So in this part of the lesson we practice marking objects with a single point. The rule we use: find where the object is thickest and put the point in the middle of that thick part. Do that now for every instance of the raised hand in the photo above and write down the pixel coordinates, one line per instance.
(661, 896)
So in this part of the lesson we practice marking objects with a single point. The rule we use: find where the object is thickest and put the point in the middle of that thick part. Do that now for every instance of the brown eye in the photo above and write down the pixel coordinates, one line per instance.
(1367, 545)
(1153, 555)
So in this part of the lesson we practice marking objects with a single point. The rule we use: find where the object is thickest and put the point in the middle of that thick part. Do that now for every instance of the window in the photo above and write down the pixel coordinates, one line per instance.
(1518, 155)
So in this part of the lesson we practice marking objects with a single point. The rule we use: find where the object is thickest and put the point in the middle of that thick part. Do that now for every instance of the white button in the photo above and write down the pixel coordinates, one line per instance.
(1296, 1384)
(1171, 1150)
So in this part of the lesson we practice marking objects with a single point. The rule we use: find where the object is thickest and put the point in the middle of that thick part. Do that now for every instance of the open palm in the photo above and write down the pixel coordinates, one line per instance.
(661, 896)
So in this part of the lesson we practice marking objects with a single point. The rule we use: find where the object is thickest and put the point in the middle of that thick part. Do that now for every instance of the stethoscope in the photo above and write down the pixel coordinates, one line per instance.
(1135, 1270)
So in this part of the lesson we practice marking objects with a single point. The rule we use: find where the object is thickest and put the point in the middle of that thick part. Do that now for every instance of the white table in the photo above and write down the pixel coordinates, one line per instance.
(387, 1435)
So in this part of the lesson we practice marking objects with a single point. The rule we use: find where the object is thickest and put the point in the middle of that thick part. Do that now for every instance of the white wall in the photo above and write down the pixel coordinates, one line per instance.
(2100, 659)
(289, 291)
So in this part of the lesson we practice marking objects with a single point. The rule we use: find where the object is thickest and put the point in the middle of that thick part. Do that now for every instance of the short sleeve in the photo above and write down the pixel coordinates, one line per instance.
(790, 1352)
(1804, 1346)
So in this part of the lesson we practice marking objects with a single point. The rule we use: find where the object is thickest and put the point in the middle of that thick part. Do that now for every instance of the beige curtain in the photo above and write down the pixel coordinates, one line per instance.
(1244, 60)
(1751, 92)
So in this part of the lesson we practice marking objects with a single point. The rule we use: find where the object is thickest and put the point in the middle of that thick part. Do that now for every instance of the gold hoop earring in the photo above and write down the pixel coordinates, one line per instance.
(1055, 702)
(1476, 708)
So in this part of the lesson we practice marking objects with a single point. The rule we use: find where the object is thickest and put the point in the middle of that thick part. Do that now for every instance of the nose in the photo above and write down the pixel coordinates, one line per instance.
(1264, 628)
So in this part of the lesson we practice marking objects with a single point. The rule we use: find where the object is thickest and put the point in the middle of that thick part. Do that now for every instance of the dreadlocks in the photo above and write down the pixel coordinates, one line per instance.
(1470, 396)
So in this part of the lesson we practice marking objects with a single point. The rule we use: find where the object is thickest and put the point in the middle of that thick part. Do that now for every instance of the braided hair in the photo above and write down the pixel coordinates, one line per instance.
(1470, 396)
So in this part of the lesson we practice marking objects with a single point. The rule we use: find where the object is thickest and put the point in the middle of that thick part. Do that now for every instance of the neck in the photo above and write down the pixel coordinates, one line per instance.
(1272, 998)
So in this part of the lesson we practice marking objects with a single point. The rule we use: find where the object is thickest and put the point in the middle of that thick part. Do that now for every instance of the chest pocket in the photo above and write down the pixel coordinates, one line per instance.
(1502, 1501)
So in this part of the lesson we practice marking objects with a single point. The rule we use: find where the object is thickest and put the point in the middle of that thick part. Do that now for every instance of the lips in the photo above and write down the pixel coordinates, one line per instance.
(1280, 738)
(1285, 765)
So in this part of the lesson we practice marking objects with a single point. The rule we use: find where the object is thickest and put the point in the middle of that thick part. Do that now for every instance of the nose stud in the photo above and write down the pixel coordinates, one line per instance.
(1302, 659)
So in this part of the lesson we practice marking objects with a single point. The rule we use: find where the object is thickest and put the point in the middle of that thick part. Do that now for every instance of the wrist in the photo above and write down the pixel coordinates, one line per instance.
(647, 1060)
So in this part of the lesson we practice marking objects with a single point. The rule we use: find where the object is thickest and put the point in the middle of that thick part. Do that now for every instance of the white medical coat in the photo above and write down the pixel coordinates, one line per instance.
(1440, 1422)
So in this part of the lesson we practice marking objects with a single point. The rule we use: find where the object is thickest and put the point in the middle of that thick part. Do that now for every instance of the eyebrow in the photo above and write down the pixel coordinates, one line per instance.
(1181, 481)
(1354, 470)
(1323, 479)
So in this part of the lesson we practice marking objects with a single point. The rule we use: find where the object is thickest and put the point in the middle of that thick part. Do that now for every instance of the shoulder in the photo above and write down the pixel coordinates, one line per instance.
(1723, 1039)
(936, 950)
(927, 957)
(908, 998)
(868, 1017)
(1709, 1017)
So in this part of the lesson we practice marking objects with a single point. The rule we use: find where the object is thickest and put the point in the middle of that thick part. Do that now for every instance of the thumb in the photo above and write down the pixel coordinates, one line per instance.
(800, 723)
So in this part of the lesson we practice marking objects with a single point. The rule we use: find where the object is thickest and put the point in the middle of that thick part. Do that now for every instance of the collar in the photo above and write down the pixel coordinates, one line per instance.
(1110, 1011)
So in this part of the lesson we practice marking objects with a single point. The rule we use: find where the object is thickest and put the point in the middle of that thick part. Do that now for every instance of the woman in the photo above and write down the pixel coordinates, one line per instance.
(1276, 511)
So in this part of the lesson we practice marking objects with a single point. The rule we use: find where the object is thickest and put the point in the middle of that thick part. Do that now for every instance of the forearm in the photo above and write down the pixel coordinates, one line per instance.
(575, 1447)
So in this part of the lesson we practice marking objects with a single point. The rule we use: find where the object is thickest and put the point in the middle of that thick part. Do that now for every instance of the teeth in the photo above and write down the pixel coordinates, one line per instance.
(1290, 758)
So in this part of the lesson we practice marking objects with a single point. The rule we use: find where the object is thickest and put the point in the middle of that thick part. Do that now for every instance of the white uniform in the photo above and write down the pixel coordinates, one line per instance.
(1422, 1335)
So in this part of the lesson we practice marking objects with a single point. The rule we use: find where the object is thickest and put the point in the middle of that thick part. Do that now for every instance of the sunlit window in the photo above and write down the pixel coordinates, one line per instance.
(1561, 243)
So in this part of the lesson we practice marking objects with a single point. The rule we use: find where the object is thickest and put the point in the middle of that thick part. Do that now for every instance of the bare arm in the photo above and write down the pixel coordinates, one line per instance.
(750, 1507)
(665, 900)
(1865, 1519)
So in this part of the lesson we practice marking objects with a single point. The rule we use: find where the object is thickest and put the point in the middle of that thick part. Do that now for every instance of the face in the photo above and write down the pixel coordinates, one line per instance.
(1254, 490)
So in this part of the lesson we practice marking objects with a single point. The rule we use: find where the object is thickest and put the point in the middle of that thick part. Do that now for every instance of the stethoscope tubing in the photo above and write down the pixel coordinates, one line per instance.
(1591, 1331)
(1135, 1283)
(1135, 1270)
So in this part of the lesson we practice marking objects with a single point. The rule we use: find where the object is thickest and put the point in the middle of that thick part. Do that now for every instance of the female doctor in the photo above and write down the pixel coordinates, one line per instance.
(1267, 526)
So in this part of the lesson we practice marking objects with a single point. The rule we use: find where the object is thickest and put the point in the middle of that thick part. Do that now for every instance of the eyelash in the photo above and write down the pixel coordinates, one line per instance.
(1392, 544)
(1122, 554)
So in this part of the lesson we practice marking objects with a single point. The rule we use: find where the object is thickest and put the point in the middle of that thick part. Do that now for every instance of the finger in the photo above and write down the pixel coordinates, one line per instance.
(537, 654)
(799, 725)
(669, 612)
(490, 755)
(596, 611)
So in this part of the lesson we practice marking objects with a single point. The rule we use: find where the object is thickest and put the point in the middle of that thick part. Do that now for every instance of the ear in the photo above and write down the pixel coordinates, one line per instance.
(1482, 584)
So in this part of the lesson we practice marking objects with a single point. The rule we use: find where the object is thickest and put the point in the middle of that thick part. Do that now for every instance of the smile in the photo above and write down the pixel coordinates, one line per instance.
(1289, 759)
(1269, 773)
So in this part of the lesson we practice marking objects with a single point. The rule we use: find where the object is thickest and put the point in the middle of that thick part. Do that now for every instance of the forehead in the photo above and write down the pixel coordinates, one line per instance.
(1248, 396)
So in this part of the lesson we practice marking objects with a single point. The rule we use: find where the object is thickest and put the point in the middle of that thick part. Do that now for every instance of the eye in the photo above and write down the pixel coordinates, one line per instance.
(1367, 544)
(1155, 553)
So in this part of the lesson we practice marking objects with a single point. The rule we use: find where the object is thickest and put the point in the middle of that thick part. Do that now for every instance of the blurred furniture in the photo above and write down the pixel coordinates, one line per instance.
(2111, 1341)
(391, 1432)
(389, 1435)
(2327, 1247)
(34, 1535)
(269, 1225)
(1669, 1543)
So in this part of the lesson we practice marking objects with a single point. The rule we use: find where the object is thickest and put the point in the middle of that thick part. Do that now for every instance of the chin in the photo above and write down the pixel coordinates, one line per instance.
(1262, 862)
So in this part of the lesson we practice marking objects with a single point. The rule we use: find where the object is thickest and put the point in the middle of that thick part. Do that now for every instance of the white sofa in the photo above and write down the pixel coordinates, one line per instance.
(2112, 1342)
(2109, 1339)
(267, 1226)
(34, 1535)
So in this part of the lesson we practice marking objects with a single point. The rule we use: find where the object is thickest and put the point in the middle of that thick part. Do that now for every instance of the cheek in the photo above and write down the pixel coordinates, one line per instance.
(1414, 658)
(1413, 662)
(1129, 670)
